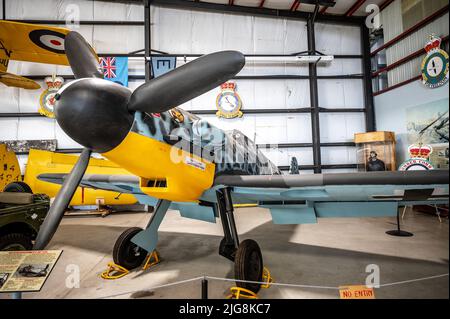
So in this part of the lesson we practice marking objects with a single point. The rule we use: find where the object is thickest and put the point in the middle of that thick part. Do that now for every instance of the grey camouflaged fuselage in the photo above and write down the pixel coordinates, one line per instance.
(232, 152)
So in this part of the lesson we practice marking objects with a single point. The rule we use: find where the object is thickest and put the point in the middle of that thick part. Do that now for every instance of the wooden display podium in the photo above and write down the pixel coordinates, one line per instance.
(378, 145)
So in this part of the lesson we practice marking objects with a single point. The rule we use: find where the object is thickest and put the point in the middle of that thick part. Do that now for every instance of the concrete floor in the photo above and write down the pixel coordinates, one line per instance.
(333, 252)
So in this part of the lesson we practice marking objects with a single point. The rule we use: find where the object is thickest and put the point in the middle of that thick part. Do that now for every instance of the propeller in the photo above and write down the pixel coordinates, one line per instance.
(82, 58)
(62, 200)
(84, 63)
(99, 114)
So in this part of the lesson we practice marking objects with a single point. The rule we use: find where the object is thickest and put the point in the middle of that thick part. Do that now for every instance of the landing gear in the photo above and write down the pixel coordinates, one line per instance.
(127, 254)
(248, 265)
(247, 257)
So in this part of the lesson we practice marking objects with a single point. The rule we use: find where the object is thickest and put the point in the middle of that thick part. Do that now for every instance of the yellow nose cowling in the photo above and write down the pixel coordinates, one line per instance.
(165, 172)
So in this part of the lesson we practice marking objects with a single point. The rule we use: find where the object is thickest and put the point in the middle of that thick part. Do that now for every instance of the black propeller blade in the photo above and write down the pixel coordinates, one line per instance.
(84, 63)
(62, 200)
(186, 82)
(82, 58)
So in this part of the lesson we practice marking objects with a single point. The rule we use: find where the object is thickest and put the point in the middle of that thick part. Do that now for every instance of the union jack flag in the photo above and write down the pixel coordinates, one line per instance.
(109, 67)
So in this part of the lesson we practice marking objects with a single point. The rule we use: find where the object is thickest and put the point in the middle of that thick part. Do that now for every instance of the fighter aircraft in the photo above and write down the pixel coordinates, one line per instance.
(182, 162)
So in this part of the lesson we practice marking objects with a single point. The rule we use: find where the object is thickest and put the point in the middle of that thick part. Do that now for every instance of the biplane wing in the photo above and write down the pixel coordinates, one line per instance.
(32, 43)
(18, 81)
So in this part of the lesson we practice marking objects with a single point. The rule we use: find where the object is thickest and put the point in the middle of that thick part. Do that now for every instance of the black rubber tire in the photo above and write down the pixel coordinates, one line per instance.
(18, 187)
(248, 265)
(127, 254)
(17, 240)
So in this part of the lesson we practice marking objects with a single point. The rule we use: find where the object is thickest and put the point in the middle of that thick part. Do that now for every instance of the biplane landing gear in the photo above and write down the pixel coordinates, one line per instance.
(247, 257)
(127, 254)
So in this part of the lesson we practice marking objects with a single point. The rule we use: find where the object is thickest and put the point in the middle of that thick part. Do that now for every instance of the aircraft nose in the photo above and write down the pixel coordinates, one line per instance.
(94, 113)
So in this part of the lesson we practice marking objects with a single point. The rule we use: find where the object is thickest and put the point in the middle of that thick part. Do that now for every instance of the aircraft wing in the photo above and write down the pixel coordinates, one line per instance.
(126, 184)
(298, 199)
(129, 184)
(33, 43)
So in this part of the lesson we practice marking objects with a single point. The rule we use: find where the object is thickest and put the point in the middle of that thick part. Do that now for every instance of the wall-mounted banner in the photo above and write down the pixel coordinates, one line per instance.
(47, 98)
(435, 65)
(419, 158)
(163, 64)
(228, 102)
(115, 69)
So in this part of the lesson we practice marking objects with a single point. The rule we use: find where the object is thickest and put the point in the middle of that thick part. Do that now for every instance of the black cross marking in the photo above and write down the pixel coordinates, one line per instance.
(2, 47)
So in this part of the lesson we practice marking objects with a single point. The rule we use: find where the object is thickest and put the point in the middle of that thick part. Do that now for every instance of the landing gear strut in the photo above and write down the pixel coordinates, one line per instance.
(135, 243)
(247, 257)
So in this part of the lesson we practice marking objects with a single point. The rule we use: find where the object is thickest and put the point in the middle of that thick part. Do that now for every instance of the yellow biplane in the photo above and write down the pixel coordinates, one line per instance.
(32, 43)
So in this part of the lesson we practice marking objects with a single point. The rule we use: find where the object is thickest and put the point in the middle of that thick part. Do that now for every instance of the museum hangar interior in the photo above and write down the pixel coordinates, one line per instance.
(241, 149)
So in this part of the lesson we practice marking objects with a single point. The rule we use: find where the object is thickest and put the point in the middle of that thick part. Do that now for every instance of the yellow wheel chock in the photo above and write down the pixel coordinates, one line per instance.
(114, 271)
(151, 260)
(242, 293)
(267, 278)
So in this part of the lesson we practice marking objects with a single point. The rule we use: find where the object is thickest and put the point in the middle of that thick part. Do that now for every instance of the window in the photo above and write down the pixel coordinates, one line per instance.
(413, 11)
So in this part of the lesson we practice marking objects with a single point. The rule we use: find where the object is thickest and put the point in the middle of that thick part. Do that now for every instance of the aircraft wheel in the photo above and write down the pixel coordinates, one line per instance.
(18, 187)
(248, 265)
(15, 241)
(127, 254)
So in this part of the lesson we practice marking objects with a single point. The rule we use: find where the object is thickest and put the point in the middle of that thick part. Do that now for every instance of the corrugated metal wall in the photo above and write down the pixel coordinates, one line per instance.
(391, 18)
(186, 31)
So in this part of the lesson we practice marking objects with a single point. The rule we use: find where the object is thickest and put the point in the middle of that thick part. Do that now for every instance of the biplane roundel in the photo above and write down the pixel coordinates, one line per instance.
(52, 41)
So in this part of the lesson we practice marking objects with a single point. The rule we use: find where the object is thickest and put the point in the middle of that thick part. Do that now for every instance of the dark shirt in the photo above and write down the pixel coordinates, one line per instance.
(375, 165)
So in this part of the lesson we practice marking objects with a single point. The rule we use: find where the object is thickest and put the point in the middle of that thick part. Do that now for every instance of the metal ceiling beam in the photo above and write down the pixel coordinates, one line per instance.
(295, 5)
(412, 29)
(385, 4)
(354, 8)
(323, 10)
(147, 40)
(256, 11)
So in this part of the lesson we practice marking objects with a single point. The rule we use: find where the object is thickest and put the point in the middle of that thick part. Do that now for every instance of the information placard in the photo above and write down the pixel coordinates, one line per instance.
(26, 271)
